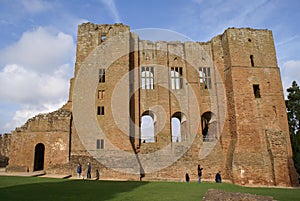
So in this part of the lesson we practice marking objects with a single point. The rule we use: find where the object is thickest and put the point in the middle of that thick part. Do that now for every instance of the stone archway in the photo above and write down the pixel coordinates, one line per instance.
(209, 125)
(147, 127)
(39, 154)
(178, 127)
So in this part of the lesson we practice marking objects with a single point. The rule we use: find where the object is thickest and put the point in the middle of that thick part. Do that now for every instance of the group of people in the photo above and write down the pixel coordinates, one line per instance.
(218, 177)
(88, 172)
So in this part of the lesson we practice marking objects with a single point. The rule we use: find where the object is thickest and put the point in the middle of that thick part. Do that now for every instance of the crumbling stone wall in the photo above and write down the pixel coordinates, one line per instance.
(4, 149)
(52, 130)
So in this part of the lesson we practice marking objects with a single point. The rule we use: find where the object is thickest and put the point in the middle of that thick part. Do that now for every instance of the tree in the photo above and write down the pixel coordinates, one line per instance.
(293, 112)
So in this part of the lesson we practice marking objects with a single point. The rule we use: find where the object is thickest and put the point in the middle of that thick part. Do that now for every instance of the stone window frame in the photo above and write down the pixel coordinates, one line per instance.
(102, 75)
(205, 77)
(176, 78)
(100, 144)
(252, 60)
(101, 94)
(147, 77)
(256, 91)
(100, 111)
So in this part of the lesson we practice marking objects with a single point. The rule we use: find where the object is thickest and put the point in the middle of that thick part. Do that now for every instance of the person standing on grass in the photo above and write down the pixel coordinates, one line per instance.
(97, 174)
(187, 177)
(88, 174)
(218, 177)
(199, 169)
(79, 170)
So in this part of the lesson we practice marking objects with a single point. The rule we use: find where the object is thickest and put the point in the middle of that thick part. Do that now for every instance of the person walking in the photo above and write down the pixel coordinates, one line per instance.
(79, 170)
(88, 174)
(199, 169)
(97, 174)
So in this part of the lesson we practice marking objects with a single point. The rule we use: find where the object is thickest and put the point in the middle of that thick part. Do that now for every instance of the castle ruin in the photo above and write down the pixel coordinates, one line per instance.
(218, 103)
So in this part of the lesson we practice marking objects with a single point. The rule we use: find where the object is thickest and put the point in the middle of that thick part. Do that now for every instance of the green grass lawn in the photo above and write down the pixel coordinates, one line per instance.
(34, 188)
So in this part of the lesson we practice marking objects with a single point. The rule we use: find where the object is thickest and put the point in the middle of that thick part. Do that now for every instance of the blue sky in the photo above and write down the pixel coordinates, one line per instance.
(38, 40)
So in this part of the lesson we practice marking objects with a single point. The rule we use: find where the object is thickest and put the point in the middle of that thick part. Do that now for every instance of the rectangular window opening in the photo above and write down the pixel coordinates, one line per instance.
(252, 60)
(101, 94)
(176, 78)
(205, 77)
(100, 144)
(256, 91)
(102, 75)
(147, 77)
(100, 110)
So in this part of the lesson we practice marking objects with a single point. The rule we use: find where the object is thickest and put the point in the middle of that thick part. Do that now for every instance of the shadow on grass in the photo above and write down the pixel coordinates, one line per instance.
(33, 188)
(67, 190)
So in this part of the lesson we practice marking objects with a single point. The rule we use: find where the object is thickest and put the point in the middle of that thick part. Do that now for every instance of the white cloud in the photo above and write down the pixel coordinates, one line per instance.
(110, 4)
(40, 50)
(33, 92)
(36, 6)
(35, 74)
(21, 85)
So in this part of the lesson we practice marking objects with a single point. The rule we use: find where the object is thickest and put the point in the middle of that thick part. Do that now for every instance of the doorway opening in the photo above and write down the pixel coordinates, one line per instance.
(39, 154)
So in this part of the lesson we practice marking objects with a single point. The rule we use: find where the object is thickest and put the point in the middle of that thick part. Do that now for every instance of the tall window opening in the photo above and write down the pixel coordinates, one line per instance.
(178, 126)
(147, 76)
(252, 60)
(102, 75)
(101, 94)
(176, 131)
(100, 110)
(100, 144)
(176, 78)
(256, 91)
(205, 77)
(147, 127)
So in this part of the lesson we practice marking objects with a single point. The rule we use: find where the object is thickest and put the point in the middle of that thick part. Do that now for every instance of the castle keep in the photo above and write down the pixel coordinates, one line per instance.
(140, 109)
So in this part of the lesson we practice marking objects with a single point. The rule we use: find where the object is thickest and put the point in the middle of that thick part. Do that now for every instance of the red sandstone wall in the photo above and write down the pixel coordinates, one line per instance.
(52, 130)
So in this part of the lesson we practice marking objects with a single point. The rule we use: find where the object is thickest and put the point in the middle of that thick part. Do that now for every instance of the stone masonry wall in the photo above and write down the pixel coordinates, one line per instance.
(250, 140)
(238, 59)
(52, 130)
(4, 149)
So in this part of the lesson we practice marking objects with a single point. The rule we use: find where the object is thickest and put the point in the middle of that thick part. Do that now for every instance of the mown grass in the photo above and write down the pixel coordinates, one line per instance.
(34, 188)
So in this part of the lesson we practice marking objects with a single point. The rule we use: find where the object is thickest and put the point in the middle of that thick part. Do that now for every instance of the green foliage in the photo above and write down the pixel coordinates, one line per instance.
(34, 188)
(293, 112)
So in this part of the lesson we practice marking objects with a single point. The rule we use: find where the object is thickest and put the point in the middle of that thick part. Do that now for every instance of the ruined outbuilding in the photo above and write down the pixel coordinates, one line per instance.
(225, 95)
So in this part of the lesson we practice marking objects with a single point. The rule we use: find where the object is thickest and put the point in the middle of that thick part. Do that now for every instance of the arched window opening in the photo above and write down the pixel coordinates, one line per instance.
(178, 126)
(176, 132)
(39, 153)
(147, 128)
(209, 126)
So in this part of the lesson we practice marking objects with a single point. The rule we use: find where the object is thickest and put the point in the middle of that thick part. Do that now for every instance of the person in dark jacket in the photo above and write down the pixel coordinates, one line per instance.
(79, 170)
(88, 174)
(218, 177)
(187, 177)
(199, 169)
